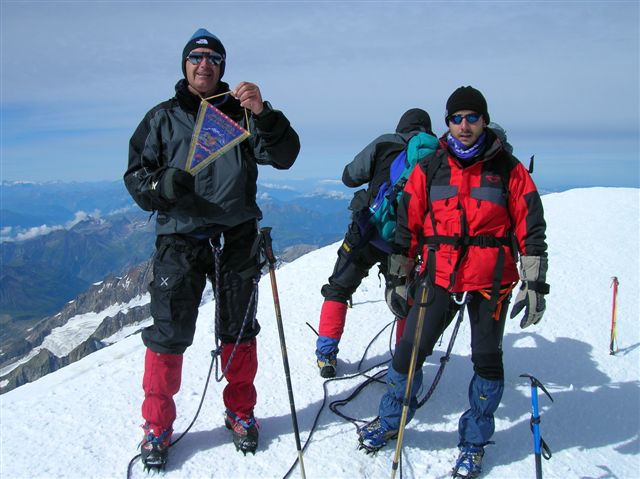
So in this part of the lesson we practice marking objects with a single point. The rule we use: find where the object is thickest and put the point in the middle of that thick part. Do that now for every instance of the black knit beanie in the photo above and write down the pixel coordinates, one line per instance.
(414, 119)
(204, 39)
(467, 98)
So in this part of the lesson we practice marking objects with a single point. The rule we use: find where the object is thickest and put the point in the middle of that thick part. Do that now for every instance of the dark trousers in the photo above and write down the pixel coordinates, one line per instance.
(486, 332)
(352, 266)
(180, 269)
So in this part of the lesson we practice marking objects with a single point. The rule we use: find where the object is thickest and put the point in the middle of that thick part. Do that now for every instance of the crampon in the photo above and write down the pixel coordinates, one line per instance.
(373, 436)
(469, 462)
(154, 449)
(245, 433)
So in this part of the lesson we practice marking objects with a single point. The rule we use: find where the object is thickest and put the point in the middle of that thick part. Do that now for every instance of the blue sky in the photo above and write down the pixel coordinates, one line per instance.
(561, 77)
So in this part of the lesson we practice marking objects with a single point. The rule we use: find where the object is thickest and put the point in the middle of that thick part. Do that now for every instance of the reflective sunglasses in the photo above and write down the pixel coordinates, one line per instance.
(471, 118)
(212, 58)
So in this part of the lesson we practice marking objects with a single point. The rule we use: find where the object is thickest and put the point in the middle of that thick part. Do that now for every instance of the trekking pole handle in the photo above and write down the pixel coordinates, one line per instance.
(268, 245)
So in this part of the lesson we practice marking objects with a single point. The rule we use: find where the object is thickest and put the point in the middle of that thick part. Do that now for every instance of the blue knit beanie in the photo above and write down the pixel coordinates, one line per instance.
(204, 39)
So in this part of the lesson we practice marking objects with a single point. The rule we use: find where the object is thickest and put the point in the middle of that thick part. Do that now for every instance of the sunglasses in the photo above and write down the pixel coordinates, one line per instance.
(212, 58)
(471, 118)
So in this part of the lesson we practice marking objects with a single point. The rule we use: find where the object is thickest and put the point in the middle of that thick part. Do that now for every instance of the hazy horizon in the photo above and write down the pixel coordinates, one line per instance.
(561, 77)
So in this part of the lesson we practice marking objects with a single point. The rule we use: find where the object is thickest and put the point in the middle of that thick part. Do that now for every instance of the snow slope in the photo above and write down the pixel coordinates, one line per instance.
(83, 420)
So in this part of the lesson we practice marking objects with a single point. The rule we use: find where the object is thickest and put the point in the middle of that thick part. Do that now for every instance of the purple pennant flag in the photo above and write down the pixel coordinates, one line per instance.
(214, 134)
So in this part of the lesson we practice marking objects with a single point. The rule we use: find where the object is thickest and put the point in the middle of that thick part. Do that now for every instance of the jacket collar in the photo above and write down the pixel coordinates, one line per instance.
(190, 102)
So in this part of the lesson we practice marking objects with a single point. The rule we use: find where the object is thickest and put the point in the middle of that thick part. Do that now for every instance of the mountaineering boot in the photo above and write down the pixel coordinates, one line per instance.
(374, 436)
(469, 462)
(326, 356)
(326, 365)
(333, 316)
(154, 448)
(244, 432)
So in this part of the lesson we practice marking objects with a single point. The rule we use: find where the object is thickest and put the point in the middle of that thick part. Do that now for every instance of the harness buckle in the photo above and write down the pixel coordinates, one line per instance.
(485, 241)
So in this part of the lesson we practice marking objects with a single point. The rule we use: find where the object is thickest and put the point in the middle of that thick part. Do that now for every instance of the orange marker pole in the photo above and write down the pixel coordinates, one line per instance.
(613, 344)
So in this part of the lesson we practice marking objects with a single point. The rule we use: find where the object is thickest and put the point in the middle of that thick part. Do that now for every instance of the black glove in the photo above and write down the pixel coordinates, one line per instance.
(533, 272)
(173, 184)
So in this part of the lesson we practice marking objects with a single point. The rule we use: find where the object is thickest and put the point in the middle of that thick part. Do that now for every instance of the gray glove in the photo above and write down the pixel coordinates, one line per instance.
(399, 268)
(533, 272)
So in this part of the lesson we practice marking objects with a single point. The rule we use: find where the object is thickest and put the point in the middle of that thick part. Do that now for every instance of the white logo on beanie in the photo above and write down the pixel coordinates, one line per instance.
(202, 41)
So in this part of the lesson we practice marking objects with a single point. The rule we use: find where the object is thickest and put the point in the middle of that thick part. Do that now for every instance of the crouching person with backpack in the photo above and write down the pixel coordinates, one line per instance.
(369, 238)
(464, 211)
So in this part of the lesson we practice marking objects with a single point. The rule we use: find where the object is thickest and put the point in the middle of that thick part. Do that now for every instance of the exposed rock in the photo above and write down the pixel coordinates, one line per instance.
(113, 290)
(294, 252)
(42, 363)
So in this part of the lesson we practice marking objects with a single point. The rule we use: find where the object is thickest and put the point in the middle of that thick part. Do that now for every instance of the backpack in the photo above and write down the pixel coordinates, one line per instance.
(383, 210)
(378, 221)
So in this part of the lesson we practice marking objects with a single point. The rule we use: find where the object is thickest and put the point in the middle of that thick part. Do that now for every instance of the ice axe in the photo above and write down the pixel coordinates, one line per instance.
(540, 447)
(267, 246)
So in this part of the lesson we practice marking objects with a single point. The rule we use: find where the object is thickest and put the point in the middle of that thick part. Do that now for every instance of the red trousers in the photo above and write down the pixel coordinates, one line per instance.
(161, 381)
(239, 394)
(333, 316)
(162, 378)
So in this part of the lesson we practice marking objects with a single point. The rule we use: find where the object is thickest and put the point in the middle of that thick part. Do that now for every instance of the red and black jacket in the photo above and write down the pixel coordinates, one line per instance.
(472, 217)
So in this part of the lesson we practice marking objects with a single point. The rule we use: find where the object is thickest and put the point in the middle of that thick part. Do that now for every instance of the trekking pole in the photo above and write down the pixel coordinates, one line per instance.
(412, 369)
(268, 250)
(540, 448)
(613, 343)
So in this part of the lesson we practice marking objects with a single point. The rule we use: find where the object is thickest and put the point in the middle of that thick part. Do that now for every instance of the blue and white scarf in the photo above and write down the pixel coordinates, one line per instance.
(462, 151)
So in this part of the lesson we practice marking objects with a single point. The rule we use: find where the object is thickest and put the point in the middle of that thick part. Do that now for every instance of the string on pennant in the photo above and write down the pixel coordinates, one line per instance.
(246, 113)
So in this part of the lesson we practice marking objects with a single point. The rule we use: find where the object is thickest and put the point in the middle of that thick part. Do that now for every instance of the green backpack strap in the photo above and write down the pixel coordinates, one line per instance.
(420, 145)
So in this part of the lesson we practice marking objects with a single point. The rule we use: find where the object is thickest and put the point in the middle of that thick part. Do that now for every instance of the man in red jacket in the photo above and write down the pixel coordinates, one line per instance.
(465, 210)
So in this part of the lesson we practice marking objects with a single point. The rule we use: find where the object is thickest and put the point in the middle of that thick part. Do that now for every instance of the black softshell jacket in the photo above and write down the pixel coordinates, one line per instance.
(226, 188)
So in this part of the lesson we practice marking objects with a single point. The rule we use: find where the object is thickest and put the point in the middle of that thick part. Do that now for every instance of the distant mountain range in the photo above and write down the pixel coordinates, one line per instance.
(69, 249)
(58, 239)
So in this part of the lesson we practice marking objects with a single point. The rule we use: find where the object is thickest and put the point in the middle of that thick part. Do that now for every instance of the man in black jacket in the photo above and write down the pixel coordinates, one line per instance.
(195, 216)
